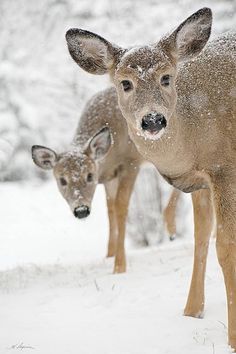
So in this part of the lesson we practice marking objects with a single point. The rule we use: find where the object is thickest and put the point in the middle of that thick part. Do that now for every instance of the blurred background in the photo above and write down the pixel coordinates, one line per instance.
(42, 91)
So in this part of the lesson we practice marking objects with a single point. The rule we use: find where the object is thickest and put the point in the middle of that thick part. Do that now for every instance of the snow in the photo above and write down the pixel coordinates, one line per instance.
(58, 293)
(37, 226)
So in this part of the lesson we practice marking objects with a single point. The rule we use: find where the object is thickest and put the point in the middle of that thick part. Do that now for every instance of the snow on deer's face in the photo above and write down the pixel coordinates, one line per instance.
(145, 82)
(144, 76)
(76, 176)
(76, 171)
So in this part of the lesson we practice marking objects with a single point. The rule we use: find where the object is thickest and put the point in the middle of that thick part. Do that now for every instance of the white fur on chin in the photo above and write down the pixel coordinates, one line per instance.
(149, 136)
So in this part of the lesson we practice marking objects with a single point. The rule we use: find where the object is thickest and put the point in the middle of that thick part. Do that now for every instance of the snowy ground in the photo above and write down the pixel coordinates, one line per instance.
(58, 295)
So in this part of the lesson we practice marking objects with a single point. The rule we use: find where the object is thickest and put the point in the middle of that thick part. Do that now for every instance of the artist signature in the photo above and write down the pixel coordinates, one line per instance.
(21, 346)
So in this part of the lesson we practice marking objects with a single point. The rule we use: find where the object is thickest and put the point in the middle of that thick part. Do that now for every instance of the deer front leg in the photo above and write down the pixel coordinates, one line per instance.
(203, 223)
(124, 192)
(111, 191)
(170, 213)
(224, 193)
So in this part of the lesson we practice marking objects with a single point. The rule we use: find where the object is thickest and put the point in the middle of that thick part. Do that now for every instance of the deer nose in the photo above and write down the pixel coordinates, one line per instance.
(82, 212)
(153, 122)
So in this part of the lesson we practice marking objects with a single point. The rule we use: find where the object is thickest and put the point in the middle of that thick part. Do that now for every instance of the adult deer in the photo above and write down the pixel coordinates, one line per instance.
(101, 152)
(179, 102)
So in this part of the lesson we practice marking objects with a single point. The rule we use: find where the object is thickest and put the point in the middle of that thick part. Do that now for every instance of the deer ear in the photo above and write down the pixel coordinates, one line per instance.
(99, 144)
(44, 157)
(188, 40)
(91, 52)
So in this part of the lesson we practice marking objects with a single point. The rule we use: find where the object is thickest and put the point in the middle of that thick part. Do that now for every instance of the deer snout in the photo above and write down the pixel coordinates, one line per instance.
(82, 212)
(153, 122)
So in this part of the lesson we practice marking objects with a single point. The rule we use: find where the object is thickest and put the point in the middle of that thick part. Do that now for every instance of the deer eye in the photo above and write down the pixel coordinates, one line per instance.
(63, 181)
(127, 85)
(165, 80)
(90, 177)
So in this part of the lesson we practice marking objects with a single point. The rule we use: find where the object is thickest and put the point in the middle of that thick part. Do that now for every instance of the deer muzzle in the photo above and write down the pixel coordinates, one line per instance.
(153, 122)
(82, 212)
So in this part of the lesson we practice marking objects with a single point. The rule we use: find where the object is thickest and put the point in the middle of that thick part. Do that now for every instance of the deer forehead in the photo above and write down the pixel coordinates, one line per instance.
(142, 62)
(75, 163)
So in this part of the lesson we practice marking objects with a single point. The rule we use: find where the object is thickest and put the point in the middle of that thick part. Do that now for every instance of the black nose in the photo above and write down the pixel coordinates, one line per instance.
(82, 212)
(153, 122)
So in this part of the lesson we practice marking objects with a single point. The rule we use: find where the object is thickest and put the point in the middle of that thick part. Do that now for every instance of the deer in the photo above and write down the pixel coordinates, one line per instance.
(101, 152)
(178, 96)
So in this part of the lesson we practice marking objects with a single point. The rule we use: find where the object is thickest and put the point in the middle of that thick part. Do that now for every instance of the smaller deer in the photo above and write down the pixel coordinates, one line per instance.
(101, 152)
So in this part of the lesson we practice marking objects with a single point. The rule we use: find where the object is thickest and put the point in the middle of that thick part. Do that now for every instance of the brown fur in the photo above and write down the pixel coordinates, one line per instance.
(170, 213)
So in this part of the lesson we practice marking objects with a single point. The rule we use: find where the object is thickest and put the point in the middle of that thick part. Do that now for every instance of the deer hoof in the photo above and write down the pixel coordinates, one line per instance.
(119, 269)
(195, 314)
(110, 254)
(232, 343)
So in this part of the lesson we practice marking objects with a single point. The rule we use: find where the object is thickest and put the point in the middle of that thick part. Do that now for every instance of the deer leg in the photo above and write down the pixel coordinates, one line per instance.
(124, 192)
(224, 194)
(203, 223)
(111, 190)
(170, 214)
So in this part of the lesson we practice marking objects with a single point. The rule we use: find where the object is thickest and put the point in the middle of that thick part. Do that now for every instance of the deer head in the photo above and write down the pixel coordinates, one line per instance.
(144, 76)
(76, 172)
